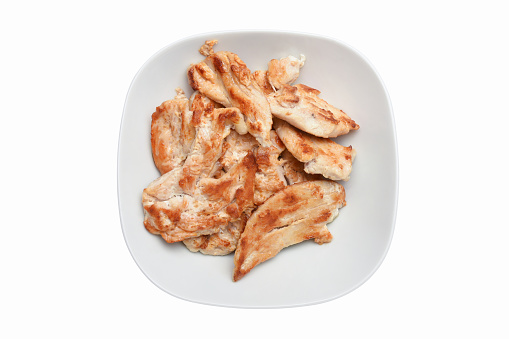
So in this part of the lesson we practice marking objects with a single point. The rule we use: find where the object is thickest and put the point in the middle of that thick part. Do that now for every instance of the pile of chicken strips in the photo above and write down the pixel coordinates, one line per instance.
(247, 164)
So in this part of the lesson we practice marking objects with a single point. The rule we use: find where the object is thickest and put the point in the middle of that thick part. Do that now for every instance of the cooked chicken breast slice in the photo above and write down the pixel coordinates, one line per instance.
(176, 216)
(225, 78)
(270, 175)
(172, 132)
(294, 170)
(300, 106)
(282, 71)
(298, 212)
(319, 155)
(220, 243)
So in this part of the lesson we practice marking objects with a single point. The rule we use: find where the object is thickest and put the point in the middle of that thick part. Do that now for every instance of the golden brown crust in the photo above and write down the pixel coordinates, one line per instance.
(298, 212)
(300, 106)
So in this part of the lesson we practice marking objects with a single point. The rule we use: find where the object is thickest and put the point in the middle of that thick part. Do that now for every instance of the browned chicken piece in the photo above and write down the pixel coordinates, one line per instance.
(176, 216)
(294, 170)
(235, 147)
(220, 243)
(282, 71)
(298, 212)
(225, 78)
(207, 48)
(319, 155)
(211, 129)
(172, 133)
(270, 176)
(300, 106)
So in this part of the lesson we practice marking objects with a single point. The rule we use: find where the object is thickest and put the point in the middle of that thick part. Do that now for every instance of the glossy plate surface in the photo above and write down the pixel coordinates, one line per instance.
(302, 274)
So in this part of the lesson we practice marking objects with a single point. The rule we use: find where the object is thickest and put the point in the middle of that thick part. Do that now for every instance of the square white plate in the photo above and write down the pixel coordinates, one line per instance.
(302, 274)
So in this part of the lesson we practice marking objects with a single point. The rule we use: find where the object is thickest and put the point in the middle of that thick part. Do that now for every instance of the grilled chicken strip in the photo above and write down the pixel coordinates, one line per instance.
(225, 78)
(319, 155)
(297, 213)
(172, 132)
(300, 106)
(176, 216)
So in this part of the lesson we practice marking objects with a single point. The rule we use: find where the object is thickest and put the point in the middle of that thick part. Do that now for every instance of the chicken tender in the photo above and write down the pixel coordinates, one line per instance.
(300, 106)
(297, 213)
(319, 155)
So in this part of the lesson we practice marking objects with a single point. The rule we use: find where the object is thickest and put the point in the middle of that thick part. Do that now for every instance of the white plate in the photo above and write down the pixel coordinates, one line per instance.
(302, 274)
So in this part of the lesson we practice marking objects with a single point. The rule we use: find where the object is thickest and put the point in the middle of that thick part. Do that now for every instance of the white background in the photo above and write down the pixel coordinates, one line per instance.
(65, 71)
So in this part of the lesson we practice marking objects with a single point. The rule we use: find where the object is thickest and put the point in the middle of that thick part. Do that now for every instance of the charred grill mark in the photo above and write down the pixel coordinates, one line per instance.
(308, 89)
(263, 157)
(217, 190)
(290, 199)
(192, 81)
(326, 114)
(203, 71)
(204, 242)
(324, 217)
(219, 65)
(233, 210)
(196, 119)
(186, 181)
